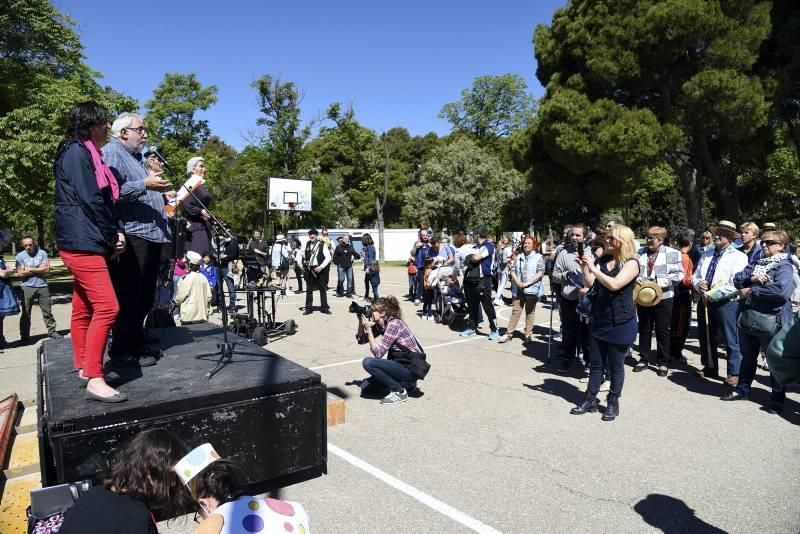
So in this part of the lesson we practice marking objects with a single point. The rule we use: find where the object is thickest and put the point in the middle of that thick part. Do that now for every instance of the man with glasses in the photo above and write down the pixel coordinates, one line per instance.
(661, 263)
(713, 280)
(141, 209)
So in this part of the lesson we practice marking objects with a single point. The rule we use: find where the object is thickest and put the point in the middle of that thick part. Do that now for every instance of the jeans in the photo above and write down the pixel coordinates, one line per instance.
(427, 302)
(614, 356)
(134, 277)
(29, 295)
(94, 309)
(658, 317)
(391, 374)
(223, 272)
(344, 273)
(750, 346)
(721, 317)
(574, 331)
(412, 285)
(480, 295)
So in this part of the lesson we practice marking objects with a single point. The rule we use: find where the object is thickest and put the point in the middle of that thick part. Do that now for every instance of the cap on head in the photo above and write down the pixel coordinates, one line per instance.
(194, 258)
(193, 463)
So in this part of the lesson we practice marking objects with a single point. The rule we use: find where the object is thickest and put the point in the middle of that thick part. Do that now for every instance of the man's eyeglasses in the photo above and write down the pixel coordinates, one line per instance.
(769, 243)
(141, 130)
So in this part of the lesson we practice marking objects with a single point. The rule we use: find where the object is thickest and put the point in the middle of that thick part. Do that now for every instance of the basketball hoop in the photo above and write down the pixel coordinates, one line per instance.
(291, 205)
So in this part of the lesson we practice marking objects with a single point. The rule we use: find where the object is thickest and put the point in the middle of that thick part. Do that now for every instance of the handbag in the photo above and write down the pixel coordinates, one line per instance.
(757, 323)
(416, 362)
(783, 353)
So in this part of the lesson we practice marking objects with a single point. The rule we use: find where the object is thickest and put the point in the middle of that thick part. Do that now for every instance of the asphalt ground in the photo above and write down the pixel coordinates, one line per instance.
(491, 446)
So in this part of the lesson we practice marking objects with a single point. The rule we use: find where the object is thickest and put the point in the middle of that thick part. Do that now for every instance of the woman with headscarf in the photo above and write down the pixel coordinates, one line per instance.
(88, 237)
(198, 236)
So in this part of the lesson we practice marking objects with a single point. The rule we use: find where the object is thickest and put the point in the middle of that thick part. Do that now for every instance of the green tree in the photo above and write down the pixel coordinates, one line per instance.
(279, 103)
(677, 72)
(172, 118)
(493, 108)
(464, 184)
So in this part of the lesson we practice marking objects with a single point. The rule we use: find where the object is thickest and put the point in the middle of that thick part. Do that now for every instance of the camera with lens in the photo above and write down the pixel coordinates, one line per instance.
(363, 311)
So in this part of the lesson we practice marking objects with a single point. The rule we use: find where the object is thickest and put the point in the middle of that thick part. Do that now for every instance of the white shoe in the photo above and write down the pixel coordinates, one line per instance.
(417, 302)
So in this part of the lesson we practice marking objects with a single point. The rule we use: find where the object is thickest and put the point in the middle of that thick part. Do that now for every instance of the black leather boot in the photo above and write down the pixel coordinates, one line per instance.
(589, 404)
(612, 410)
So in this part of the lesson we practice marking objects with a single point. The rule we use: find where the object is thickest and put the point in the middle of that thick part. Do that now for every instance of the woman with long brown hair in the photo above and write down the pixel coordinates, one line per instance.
(614, 324)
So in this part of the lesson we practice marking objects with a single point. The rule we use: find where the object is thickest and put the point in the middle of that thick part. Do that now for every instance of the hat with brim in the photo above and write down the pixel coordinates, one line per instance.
(769, 226)
(280, 237)
(647, 293)
(725, 227)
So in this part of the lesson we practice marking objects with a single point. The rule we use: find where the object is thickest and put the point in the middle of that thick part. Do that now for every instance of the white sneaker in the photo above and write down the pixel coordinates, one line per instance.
(417, 302)
(395, 398)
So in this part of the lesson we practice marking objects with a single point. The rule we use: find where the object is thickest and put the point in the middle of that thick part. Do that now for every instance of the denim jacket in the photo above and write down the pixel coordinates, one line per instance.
(526, 267)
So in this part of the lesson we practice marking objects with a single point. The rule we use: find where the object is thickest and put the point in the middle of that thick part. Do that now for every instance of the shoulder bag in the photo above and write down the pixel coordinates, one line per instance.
(783, 353)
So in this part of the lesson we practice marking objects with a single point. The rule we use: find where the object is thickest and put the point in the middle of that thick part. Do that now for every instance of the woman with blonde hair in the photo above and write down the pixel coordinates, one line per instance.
(614, 324)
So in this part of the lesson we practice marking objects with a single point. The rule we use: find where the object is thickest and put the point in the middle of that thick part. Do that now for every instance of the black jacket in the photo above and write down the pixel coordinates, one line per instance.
(344, 255)
(85, 216)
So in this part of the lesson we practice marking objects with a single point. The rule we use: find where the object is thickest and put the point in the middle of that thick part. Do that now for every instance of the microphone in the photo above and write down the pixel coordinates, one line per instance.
(154, 150)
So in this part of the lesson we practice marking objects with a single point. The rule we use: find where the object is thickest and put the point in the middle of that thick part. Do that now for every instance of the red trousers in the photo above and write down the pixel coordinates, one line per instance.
(94, 309)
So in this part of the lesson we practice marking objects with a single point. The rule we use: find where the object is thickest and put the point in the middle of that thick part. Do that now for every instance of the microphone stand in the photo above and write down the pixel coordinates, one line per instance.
(226, 348)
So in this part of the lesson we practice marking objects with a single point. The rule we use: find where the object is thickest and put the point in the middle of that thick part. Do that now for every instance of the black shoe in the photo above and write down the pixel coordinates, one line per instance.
(326, 311)
(589, 404)
(734, 395)
(640, 366)
(307, 311)
(612, 409)
(55, 335)
(662, 370)
(132, 360)
(564, 366)
(775, 407)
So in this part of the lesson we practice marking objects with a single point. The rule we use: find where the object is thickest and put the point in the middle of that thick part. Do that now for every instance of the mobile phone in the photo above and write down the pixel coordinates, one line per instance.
(580, 249)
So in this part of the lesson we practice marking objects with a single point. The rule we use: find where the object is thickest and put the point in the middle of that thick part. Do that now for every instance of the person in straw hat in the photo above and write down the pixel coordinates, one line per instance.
(716, 310)
(660, 270)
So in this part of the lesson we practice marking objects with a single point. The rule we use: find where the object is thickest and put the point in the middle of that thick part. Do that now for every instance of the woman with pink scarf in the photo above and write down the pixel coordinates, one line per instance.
(88, 237)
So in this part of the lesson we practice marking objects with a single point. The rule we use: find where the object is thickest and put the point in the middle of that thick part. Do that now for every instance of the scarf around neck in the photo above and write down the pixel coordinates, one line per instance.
(104, 176)
(766, 263)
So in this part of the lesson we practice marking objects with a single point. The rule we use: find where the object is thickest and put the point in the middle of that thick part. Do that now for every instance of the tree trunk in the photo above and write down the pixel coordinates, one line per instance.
(727, 195)
(40, 231)
(691, 189)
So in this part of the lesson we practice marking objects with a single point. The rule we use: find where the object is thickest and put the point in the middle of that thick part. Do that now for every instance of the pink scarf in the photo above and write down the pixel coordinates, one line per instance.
(101, 171)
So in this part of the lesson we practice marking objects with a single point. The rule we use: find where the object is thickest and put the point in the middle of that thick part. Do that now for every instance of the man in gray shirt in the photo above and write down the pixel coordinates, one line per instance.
(33, 266)
(141, 210)
(565, 272)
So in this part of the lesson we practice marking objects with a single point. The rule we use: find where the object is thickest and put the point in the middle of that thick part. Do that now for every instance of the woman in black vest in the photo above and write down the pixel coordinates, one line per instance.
(614, 324)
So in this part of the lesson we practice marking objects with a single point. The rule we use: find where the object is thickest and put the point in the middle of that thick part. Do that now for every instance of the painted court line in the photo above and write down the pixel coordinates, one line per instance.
(429, 501)
(466, 340)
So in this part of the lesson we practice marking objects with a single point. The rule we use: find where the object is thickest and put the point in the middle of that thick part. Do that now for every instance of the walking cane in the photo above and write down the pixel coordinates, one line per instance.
(709, 360)
(553, 303)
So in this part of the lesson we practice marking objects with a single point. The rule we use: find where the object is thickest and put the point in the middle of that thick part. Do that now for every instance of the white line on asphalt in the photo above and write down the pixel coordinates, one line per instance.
(414, 493)
(472, 338)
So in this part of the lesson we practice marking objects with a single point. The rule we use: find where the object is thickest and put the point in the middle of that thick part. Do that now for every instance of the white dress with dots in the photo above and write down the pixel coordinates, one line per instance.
(263, 516)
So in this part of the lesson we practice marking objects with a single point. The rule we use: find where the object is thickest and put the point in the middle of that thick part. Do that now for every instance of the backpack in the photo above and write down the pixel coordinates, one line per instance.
(283, 263)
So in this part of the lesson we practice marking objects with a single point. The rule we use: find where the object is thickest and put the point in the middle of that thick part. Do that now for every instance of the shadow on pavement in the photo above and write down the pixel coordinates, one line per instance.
(669, 514)
(559, 388)
(704, 386)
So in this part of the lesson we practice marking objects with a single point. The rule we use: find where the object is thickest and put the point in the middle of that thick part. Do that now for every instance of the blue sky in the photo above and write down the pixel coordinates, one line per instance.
(396, 63)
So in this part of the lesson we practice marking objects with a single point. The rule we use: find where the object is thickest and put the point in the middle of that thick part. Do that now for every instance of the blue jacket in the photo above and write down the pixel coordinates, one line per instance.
(774, 297)
(210, 272)
(85, 217)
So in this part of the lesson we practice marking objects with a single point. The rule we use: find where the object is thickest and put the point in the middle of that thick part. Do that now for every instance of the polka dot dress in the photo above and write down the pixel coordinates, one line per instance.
(263, 516)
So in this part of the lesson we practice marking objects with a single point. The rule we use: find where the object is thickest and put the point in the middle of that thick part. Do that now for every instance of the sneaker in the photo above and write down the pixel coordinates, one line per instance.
(417, 302)
(504, 339)
(493, 335)
(430, 318)
(467, 332)
(395, 397)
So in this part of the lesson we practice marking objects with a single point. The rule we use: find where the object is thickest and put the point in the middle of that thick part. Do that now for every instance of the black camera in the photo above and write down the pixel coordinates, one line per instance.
(364, 311)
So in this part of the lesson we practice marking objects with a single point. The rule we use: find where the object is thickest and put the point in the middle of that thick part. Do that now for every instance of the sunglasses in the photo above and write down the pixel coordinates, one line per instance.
(769, 243)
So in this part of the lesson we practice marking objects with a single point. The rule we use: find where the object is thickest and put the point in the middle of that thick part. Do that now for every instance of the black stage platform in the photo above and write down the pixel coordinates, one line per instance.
(262, 410)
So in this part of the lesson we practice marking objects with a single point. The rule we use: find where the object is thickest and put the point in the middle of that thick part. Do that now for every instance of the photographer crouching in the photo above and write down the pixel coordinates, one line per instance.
(397, 360)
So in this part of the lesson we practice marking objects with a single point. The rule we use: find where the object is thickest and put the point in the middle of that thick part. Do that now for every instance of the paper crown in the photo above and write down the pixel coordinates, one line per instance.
(194, 462)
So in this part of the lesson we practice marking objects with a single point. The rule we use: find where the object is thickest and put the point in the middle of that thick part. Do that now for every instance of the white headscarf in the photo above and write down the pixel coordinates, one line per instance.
(192, 163)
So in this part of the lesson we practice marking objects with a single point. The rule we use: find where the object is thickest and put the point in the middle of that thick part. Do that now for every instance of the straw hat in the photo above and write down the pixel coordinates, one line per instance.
(647, 293)
(769, 226)
(279, 238)
(725, 227)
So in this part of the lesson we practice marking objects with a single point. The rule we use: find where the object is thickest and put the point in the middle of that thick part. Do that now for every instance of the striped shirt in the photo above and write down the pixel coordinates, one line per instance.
(397, 336)
(141, 210)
